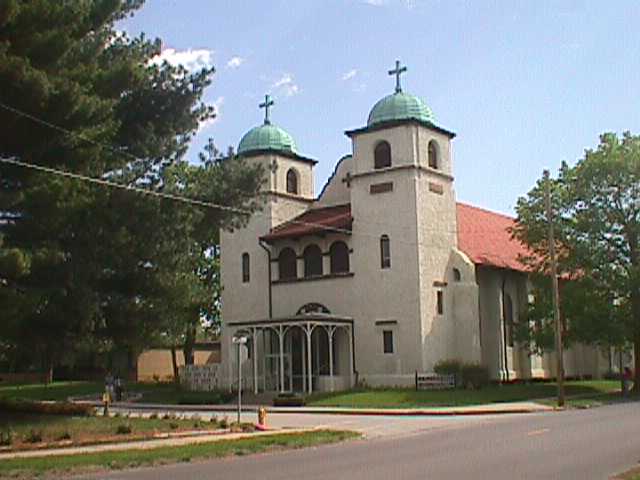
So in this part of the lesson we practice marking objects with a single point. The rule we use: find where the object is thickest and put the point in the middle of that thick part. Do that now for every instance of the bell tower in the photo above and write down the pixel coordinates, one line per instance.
(404, 212)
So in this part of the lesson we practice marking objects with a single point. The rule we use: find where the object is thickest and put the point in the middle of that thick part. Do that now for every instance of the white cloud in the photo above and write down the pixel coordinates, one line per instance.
(191, 59)
(235, 62)
(375, 3)
(217, 108)
(409, 4)
(350, 74)
(286, 85)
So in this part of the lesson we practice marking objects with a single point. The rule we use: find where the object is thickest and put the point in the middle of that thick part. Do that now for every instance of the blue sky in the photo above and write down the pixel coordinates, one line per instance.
(525, 85)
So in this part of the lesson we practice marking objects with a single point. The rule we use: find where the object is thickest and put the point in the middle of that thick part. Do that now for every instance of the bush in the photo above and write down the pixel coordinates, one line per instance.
(47, 408)
(474, 375)
(6, 438)
(34, 436)
(450, 367)
(64, 436)
(224, 422)
(123, 429)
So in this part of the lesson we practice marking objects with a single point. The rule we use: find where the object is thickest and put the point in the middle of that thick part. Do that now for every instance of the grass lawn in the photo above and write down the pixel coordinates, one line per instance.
(387, 398)
(32, 430)
(32, 468)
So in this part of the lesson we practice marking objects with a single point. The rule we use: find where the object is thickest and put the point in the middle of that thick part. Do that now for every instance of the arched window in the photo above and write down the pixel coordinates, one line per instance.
(385, 252)
(382, 155)
(433, 154)
(339, 253)
(508, 318)
(292, 181)
(245, 268)
(457, 276)
(312, 261)
(287, 264)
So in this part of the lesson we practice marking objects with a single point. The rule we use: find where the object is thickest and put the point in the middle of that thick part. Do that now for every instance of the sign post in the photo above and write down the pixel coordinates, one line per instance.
(239, 341)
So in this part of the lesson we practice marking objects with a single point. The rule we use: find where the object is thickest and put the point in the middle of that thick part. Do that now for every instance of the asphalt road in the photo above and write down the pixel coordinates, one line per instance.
(579, 444)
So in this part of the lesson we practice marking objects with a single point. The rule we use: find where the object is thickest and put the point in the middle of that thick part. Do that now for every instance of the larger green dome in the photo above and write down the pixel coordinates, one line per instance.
(267, 137)
(400, 106)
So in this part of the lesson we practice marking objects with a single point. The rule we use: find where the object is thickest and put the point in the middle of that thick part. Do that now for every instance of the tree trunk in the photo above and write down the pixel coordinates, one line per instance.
(189, 342)
(174, 363)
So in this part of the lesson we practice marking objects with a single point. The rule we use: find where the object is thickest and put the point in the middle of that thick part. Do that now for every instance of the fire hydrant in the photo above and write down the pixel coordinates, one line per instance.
(262, 417)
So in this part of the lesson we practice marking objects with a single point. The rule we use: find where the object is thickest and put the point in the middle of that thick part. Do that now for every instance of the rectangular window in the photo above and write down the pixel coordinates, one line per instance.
(439, 302)
(385, 252)
(387, 340)
(245, 268)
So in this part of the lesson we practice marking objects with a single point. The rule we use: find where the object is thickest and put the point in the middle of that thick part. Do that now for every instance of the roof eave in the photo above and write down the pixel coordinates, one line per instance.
(282, 153)
(395, 123)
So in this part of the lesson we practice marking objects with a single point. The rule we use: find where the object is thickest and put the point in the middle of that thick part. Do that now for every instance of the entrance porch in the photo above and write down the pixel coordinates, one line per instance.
(305, 353)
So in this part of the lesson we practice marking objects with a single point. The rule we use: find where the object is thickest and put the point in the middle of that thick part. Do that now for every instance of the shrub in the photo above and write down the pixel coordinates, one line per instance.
(474, 375)
(6, 438)
(224, 422)
(173, 425)
(450, 367)
(153, 416)
(64, 436)
(123, 429)
(34, 436)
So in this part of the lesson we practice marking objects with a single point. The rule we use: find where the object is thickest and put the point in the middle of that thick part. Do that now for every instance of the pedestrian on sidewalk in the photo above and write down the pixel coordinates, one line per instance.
(627, 377)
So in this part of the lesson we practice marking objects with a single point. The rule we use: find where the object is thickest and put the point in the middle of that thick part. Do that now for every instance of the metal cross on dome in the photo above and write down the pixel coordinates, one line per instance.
(397, 72)
(268, 102)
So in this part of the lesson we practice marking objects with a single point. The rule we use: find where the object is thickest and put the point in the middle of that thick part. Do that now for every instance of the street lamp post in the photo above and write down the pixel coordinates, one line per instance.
(239, 341)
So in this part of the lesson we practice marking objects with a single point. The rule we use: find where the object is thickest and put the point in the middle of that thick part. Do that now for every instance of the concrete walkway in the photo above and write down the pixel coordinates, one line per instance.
(487, 409)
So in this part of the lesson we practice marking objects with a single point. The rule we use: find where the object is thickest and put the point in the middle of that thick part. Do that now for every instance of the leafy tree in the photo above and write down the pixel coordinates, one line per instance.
(596, 206)
(81, 260)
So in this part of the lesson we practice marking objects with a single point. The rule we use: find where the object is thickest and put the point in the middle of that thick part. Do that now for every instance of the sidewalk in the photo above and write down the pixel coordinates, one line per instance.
(487, 409)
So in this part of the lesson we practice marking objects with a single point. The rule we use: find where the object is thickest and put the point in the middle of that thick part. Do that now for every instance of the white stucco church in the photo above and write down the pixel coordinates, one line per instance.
(382, 274)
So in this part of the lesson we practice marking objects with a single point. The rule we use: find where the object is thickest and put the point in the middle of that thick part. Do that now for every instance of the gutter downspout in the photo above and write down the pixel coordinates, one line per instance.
(504, 331)
(266, 249)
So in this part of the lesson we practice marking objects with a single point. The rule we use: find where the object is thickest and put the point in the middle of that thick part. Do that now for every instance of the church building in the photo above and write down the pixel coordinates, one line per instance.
(381, 275)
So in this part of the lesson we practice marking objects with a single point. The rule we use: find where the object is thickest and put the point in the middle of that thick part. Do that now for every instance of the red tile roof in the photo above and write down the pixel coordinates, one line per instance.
(314, 221)
(484, 237)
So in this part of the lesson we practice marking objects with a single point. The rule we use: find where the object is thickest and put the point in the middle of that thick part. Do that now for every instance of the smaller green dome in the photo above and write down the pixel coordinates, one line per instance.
(400, 106)
(267, 137)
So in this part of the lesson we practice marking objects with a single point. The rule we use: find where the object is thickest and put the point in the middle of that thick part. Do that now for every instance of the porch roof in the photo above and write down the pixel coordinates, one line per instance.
(315, 317)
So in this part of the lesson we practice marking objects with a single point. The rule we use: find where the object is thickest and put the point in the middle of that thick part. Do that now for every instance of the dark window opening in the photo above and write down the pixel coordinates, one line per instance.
(456, 275)
(312, 261)
(385, 252)
(292, 181)
(287, 264)
(339, 253)
(387, 341)
(382, 155)
(245, 268)
(433, 154)
(439, 302)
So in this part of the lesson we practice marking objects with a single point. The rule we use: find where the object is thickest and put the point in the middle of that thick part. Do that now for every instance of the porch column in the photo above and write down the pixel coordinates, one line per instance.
(350, 356)
(330, 332)
(308, 331)
(304, 366)
(254, 345)
(281, 341)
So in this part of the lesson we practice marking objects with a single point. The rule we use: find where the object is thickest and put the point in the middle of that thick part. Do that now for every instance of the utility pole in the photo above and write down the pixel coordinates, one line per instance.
(556, 293)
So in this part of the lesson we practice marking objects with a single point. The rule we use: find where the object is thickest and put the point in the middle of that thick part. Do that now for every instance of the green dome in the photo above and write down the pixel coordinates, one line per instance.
(267, 137)
(400, 106)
